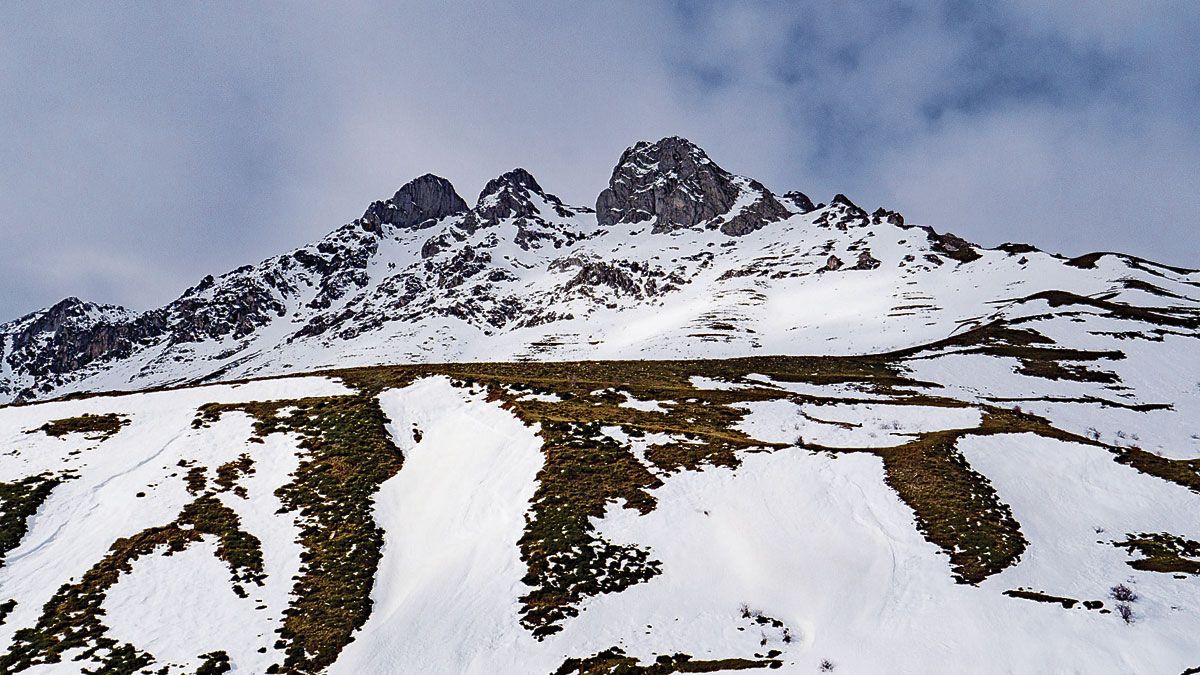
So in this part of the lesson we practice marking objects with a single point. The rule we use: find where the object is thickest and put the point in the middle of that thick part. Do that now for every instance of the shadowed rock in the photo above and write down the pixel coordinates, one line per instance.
(674, 184)
(419, 204)
(800, 200)
(512, 195)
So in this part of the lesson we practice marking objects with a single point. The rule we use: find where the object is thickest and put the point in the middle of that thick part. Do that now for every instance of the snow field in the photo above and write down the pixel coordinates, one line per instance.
(78, 523)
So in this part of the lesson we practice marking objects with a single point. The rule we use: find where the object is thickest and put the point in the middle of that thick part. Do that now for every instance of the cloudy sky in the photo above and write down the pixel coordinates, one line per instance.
(145, 145)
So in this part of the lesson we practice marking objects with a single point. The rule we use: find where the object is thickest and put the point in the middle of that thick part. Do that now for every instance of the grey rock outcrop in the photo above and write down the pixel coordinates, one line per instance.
(674, 184)
(952, 246)
(538, 215)
(418, 204)
(800, 200)
(882, 215)
(866, 261)
(832, 265)
(511, 195)
(70, 335)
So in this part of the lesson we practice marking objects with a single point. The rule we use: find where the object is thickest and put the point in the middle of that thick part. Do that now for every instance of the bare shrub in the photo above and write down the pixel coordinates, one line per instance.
(1125, 612)
(827, 666)
(1123, 593)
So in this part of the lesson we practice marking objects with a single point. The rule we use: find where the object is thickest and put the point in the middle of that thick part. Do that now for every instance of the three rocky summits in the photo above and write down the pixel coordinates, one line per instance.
(671, 182)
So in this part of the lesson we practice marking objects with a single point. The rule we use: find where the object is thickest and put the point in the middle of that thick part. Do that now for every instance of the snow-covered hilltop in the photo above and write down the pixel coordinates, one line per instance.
(680, 259)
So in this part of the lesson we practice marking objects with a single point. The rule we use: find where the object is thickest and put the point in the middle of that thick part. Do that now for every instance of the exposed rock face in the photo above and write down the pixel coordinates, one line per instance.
(866, 261)
(800, 201)
(419, 203)
(232, 309)
(843, 214)
(832, 265)
(541, 219)
(511, 195)
(622, 277)
(952, 246)
(882, 215)
(675, 184)
(604, 274)
(73, 334)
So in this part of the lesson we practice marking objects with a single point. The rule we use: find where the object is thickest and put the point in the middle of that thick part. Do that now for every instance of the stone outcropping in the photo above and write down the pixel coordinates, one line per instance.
(675, 185)
(418, 204)
(512, 194)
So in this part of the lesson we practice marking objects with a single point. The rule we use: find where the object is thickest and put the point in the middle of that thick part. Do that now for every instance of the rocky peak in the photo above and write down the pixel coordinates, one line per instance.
(418, 204)
(518, 181)
(674, 183)
(67, 312)
(800, 201)
(842, 214)
(516, 194)
(66, 308)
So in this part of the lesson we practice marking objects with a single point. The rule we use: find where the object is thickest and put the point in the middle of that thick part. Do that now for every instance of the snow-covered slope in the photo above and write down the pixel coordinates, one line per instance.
(805, 515)
(682, 259)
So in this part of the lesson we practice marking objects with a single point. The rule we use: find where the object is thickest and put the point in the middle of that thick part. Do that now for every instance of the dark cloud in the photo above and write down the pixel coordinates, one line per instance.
(143, 146)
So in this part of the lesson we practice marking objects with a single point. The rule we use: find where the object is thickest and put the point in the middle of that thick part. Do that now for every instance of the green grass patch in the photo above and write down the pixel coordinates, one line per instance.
(1185, 472)
(1037, 596)
(102, 426)
(956, 507)
(214, 663)
(1163, 552)
(347, 454)
(18, 501)
(229, 473)
(71, 619)
(614, 661)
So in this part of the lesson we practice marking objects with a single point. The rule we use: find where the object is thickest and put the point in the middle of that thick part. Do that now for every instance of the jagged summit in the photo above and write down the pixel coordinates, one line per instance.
(69, 309)
(418, 204)
(800, 200)
(517, 194)
(515, 180)
(674, 184)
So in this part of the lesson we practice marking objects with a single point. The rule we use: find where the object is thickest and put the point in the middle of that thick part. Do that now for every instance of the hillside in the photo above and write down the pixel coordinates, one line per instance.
(701, 427)
(669, 516)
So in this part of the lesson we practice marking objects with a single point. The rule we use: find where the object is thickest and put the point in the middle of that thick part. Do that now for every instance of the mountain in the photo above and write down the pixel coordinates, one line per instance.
(680, 258)
(701, 427)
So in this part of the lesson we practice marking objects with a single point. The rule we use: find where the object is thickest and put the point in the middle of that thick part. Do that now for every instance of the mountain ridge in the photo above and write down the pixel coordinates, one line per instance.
(521, 268)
